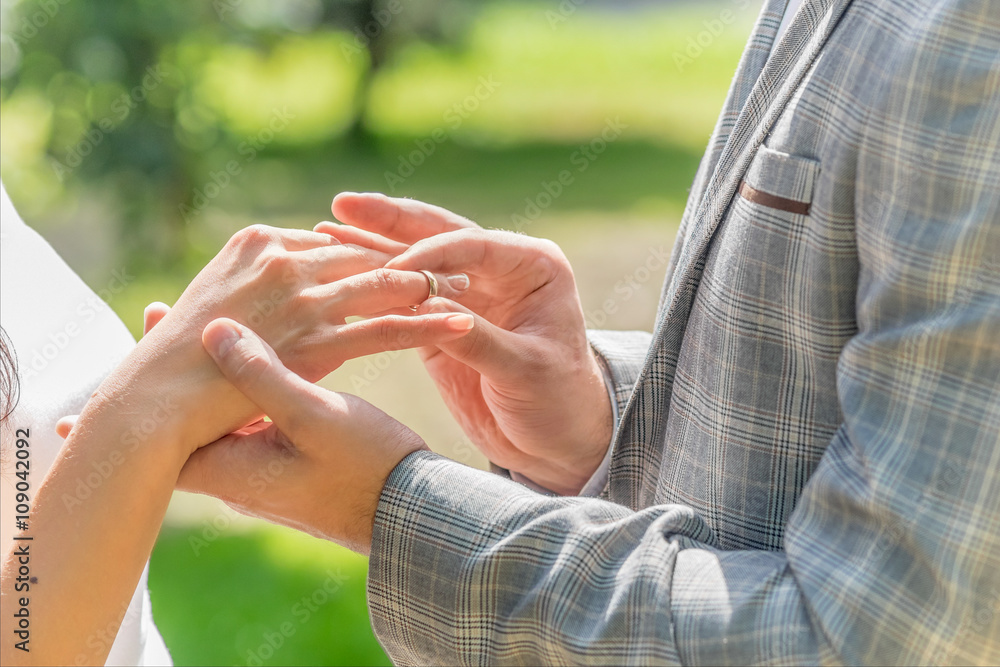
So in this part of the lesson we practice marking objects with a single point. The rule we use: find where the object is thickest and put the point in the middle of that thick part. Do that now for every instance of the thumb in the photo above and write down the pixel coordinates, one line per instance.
(251, 366)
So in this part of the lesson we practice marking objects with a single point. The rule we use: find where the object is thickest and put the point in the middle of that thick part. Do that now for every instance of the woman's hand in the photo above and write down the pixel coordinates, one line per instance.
(296, 288)
(524, 384)
(319, 467)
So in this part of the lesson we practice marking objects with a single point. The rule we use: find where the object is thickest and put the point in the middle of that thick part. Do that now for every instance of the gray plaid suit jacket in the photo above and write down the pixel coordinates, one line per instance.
(807, 464)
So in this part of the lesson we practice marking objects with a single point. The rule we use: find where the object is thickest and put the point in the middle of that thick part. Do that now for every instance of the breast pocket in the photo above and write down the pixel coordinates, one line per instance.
(780, 181)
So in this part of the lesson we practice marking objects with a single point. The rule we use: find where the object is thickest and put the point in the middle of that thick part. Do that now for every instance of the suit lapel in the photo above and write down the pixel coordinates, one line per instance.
(750, 66)
(760, 90)
(770, 92)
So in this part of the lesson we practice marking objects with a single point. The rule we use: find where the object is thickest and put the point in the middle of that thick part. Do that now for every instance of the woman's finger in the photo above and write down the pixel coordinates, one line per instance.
(294, 240)
(360, 237)
(65, 425)
(487, 349)
(332, 263)
(153, 313)
(396, 332)
(381, 290)
(402, 220)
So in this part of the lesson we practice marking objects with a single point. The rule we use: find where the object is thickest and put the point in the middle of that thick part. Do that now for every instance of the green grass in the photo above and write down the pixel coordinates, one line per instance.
(260, 594)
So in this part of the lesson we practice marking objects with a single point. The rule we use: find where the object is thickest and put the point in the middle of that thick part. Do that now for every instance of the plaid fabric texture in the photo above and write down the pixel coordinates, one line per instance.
(807, 464)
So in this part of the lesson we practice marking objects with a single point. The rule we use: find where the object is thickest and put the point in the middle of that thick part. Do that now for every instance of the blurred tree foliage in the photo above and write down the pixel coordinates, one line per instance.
(145, 133)
(154, 100)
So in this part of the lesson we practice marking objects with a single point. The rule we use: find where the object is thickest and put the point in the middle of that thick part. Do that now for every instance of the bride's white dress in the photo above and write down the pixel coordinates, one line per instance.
(66, 340)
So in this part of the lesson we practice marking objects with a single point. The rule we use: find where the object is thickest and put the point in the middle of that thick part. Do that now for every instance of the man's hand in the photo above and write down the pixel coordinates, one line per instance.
(524, 384)
(319, 467)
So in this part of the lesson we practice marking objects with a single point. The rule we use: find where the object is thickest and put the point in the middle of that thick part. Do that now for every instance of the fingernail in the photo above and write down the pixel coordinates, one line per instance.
(152, 305)
(458, 282)
(221, 338)
(460, 322)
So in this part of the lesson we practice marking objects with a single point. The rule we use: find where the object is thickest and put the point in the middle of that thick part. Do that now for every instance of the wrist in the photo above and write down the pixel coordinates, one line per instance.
(397, 443)
(598, 430)
(363, 540)
(115, 431)
(174, 398)
(565, 470)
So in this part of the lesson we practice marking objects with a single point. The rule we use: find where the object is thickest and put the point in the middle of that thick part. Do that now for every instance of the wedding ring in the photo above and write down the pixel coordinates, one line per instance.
(432, 281)
(432, 287)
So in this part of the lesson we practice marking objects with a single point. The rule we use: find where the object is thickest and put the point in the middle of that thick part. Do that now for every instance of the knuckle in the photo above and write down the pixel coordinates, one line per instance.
(394, 332)
(249, 368)
(387, 280)
(548, 248)
(360, 256)
(550, 257)
(276, 263)
(253, 237)
(385, 334)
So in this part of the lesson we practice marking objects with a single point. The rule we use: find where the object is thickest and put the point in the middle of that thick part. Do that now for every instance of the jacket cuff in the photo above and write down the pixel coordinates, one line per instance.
(623, 354)
(421, 543)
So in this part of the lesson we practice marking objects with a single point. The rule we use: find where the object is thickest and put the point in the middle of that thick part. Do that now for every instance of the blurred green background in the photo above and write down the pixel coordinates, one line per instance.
(137, 137)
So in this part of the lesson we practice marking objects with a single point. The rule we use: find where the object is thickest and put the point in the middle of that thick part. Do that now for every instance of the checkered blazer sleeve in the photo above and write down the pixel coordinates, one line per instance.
(892, 555)
(623, 354)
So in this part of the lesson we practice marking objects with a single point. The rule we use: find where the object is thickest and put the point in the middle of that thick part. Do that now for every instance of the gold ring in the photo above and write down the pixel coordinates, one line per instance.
(432, 282)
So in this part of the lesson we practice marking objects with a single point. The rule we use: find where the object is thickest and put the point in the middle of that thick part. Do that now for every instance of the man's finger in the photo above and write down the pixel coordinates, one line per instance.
(403, 220)
(335, 262)
(153, 313)
(356, 236)
(251, 366)
(487, 349)
(485, 253)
